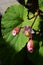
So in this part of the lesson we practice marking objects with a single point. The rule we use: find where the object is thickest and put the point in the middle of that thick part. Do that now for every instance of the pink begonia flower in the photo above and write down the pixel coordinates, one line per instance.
(15, 31)
(30, 46)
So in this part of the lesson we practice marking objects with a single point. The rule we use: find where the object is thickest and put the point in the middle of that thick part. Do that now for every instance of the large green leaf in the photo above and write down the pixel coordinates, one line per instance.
(41, 4)
(14, 17)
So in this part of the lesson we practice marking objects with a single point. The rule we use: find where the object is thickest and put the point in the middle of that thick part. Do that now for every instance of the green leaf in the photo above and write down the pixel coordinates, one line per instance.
(26, 1)
(41, 51)
(36, 24)
(41, 4)
(14, 17)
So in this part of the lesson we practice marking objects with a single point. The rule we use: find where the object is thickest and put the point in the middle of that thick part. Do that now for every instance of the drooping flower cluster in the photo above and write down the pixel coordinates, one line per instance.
(28, 32)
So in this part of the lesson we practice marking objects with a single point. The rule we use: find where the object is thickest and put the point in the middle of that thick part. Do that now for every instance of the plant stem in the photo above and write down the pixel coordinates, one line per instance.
(33, 21)
(36, 15)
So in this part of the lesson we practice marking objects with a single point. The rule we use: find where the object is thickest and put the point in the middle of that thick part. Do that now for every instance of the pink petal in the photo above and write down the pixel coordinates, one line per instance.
(30, 50)
(13, 32)
(32, 32)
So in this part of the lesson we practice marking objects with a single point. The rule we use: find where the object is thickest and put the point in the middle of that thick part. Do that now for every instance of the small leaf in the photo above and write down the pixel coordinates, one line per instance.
(26, 1)
(36, 24)
(41, 51)
(41, 4)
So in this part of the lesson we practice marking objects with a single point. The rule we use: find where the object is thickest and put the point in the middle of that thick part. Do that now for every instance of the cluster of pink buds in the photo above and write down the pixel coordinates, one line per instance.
(28, 32)
(15, 31)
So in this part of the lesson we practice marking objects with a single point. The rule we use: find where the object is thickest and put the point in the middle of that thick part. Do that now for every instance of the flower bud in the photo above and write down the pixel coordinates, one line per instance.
(27, 33)
(15, 31)
(30, 46)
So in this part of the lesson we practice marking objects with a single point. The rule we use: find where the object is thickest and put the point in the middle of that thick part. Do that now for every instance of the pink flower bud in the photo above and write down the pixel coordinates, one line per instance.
(15, 31)
(30, 46)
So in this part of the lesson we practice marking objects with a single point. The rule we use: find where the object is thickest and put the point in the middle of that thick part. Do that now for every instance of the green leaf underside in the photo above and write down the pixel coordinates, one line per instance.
(41, 4)
(16, 16)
